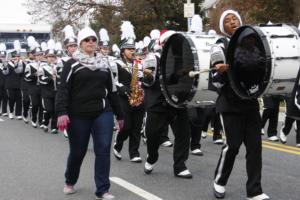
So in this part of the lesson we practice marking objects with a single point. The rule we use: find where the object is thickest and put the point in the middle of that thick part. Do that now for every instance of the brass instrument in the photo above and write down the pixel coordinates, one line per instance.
(136, 96)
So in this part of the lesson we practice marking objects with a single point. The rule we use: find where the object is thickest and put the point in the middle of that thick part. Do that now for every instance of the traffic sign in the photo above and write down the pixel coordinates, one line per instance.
(189, 10)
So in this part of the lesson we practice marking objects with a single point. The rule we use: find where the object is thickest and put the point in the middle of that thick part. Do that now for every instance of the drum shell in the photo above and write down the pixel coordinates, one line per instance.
(281, 46)
(198, 46)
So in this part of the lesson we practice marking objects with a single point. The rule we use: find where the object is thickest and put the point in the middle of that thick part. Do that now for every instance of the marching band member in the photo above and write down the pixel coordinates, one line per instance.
(3, 94)
(32, 71)
(129, 76)
(13, 72)
(84, 106)
(48, 84)
(241, 122)
(160, 114)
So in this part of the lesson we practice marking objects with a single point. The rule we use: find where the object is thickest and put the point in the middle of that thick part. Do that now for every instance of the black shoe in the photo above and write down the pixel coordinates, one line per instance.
(184, 174)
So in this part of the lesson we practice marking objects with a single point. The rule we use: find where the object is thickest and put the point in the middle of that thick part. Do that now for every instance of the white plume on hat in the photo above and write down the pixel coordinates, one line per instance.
(85, 33)
(51, 44)
(2, 47)
(146, 41)
(115, 48)
(103, 35)
(139, 45)
(154, 34)
(127, 30)
(69, 32)
(224, 14)
(197, 24)
(212, 32)
(269, 22)
(44, 46)
(17, 45)
(58, 46)
(31, 41)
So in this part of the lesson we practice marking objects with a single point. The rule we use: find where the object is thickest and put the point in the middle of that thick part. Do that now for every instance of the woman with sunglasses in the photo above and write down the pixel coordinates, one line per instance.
(84, 104)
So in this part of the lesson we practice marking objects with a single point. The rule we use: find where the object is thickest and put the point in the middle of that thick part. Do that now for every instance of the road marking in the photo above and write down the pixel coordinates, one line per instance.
(281, 149)
(138, 191)
(281, 145)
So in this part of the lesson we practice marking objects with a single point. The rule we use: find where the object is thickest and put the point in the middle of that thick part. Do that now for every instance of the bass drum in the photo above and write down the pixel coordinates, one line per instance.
(264, 60)
(182, 54)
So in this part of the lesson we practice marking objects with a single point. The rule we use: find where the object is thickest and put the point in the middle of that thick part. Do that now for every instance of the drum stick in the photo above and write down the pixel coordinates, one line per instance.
(192, 74)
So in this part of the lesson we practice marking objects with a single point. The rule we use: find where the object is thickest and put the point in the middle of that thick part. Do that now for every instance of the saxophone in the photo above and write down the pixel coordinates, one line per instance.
(136, 96)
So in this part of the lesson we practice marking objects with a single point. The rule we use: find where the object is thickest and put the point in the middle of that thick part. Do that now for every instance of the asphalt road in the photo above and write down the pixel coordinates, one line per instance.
(32, 165)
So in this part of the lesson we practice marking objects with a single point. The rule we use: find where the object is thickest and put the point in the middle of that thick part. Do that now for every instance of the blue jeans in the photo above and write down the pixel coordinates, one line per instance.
(79, 131)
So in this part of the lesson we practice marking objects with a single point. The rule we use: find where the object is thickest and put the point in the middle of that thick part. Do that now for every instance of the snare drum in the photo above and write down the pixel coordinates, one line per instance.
(184, 53)
(264, 60)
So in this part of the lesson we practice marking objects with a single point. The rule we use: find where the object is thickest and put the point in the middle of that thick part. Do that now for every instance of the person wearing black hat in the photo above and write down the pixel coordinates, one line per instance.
(133, 114)
(240, 118)
(3, 94)
(32, 71)
(13, 72)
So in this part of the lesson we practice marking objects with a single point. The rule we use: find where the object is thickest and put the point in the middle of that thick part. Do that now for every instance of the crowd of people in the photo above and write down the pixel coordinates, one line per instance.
(88, 88)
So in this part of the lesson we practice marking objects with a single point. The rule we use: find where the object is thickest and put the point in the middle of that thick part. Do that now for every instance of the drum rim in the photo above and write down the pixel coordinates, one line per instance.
(161, 76)
(232, 43)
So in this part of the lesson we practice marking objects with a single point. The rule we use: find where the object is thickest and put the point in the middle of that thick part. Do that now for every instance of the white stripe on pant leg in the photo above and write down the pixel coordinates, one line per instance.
(223, 154)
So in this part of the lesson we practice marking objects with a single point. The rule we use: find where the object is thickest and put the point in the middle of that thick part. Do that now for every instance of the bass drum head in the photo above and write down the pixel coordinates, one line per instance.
(177, 60)
(249, 60)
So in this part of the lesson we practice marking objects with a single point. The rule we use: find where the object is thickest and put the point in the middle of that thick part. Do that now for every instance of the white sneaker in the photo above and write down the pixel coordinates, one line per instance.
(19, 117)
(25, 119)
(65, 133)
(219, 141)
(4, 114)
(219, 191)
(34, 125)
(262, 196)
(282, 136)
(167, 144)
(136, 160)
(203, 134)
(106, 196)
(10, 116)
(148, 168)
(117, 154)
(197, 152)
(69, 189)
(185, 174)
(298, 145)
(273, 138)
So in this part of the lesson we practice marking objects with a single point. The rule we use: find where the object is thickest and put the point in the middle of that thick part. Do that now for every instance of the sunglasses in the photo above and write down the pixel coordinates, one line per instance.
(90, 39)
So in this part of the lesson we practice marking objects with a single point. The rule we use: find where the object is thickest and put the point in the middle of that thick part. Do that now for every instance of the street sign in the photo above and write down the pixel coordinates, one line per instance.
(189, 10)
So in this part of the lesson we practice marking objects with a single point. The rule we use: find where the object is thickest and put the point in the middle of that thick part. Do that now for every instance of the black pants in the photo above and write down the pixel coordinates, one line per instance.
(25, 102)
(49, 112)
(288, 126)
(211, 116)
(3, 99)
(271, 112)
(242, 128)
(36, 107)
(133, 119)
(179, 122)
(15, 100)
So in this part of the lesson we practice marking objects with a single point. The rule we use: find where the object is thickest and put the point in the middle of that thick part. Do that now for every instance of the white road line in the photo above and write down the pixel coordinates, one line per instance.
(138, 191)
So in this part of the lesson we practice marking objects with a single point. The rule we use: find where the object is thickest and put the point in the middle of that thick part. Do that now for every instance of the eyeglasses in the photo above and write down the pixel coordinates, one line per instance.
(90, 39)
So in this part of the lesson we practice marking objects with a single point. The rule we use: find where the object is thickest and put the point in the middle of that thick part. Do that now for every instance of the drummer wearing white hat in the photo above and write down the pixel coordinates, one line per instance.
(241, 122)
